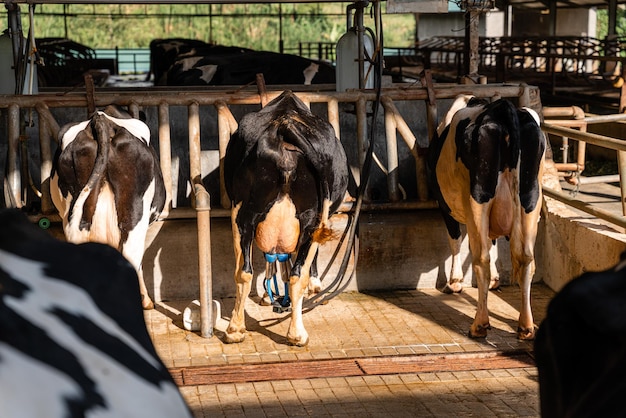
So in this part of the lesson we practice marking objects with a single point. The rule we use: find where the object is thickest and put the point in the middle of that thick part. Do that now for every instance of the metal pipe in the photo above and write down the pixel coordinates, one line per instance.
(13, 171)
(243, 97)
(45, 166)
(333, 116)
(202, 204)
(585, 207)
(361, 135)
(591, 138)
(392, 154)
(165, 154)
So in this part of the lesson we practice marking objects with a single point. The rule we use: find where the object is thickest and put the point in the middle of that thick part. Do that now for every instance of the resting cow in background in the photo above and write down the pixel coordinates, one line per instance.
(223, 66)
(73, 340)
(580, 347)
(286, 173)
(107, 185)
(485, 169)
(163, 53)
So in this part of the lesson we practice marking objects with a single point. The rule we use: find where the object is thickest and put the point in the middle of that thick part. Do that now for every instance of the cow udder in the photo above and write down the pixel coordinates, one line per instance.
(280, 231)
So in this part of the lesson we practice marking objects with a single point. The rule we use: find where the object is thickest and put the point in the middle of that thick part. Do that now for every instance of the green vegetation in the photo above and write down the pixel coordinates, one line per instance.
(603, 23)
(255, 26)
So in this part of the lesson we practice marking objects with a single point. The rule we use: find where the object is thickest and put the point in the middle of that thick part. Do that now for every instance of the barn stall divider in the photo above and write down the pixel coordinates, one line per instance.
(19, 186)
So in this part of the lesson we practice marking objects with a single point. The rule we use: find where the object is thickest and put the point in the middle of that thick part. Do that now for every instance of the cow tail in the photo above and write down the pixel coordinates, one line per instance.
(89, 194)
(324, 232)
(507, 113)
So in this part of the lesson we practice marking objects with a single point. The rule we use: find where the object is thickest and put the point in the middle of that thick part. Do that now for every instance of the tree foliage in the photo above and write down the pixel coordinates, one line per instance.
(256, 26)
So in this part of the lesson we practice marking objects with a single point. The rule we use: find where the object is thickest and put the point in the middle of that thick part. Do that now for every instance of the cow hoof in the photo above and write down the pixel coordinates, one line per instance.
(299, 342)
(234, 337)
(453, 287)
(494, 284)
(479, 331)
(526, 334)
(265, 300)
(315, 286)
(146, 303)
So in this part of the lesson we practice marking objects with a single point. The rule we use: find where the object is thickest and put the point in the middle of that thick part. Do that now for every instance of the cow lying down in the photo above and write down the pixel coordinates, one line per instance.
(107, 185)
(286, 173)
(73, 341)
(485, 166)
(580, 347)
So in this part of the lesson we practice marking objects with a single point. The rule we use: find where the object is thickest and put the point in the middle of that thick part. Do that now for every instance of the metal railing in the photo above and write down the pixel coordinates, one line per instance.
(222, 102)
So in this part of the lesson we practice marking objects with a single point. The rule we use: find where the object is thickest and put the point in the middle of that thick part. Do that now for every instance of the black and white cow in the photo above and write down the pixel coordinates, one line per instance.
(485, 167)
(219, 67)
(580, 349)
(286, 173)
(163, 53)
(107, 184)
(73, 340)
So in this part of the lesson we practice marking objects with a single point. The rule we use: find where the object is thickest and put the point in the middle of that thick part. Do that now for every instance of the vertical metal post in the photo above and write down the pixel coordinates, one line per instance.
(333, 116)
(621, 164)
(14, 183)
(392, 154)
(46, 165)
(361, 135)
(165, 154)
(203, 212)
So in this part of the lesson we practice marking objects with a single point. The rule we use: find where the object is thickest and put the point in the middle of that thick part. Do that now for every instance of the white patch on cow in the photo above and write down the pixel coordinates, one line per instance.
(309, 73)
(208, 71)
(134, 246)
(72, 132)
(188, 63)
(533, 114)
(136, 127)
(32, 387)
(104, 228)
(459, 103)
(124, 391)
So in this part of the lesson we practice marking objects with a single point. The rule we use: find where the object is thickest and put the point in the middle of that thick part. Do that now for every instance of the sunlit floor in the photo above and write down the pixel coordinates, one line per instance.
(372, 328)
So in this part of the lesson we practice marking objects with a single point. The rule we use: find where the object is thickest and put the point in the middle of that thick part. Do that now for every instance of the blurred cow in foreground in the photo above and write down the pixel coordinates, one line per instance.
(580, 347)
(73, 340)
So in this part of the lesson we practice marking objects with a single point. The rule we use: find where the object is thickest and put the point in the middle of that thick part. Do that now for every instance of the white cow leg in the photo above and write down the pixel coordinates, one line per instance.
(297, 334)
(455, 282)
(494, 283)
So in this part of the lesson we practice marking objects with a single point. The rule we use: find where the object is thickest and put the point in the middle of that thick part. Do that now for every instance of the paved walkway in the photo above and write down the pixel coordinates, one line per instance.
(387, 354)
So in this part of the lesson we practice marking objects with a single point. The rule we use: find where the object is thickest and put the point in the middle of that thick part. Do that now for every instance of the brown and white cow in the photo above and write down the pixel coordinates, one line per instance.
(485, 169)
(286, 173)
(107, 184)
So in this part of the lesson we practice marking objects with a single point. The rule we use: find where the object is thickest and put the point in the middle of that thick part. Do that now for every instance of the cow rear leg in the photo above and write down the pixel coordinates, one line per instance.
(315, 285)
(479, 248)
(523, 271)
(297, 334)
(146, 302)
(236, 331)
(455, 283)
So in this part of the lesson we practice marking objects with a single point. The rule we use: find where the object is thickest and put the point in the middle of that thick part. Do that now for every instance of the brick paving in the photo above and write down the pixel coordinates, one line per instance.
(376, 325)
